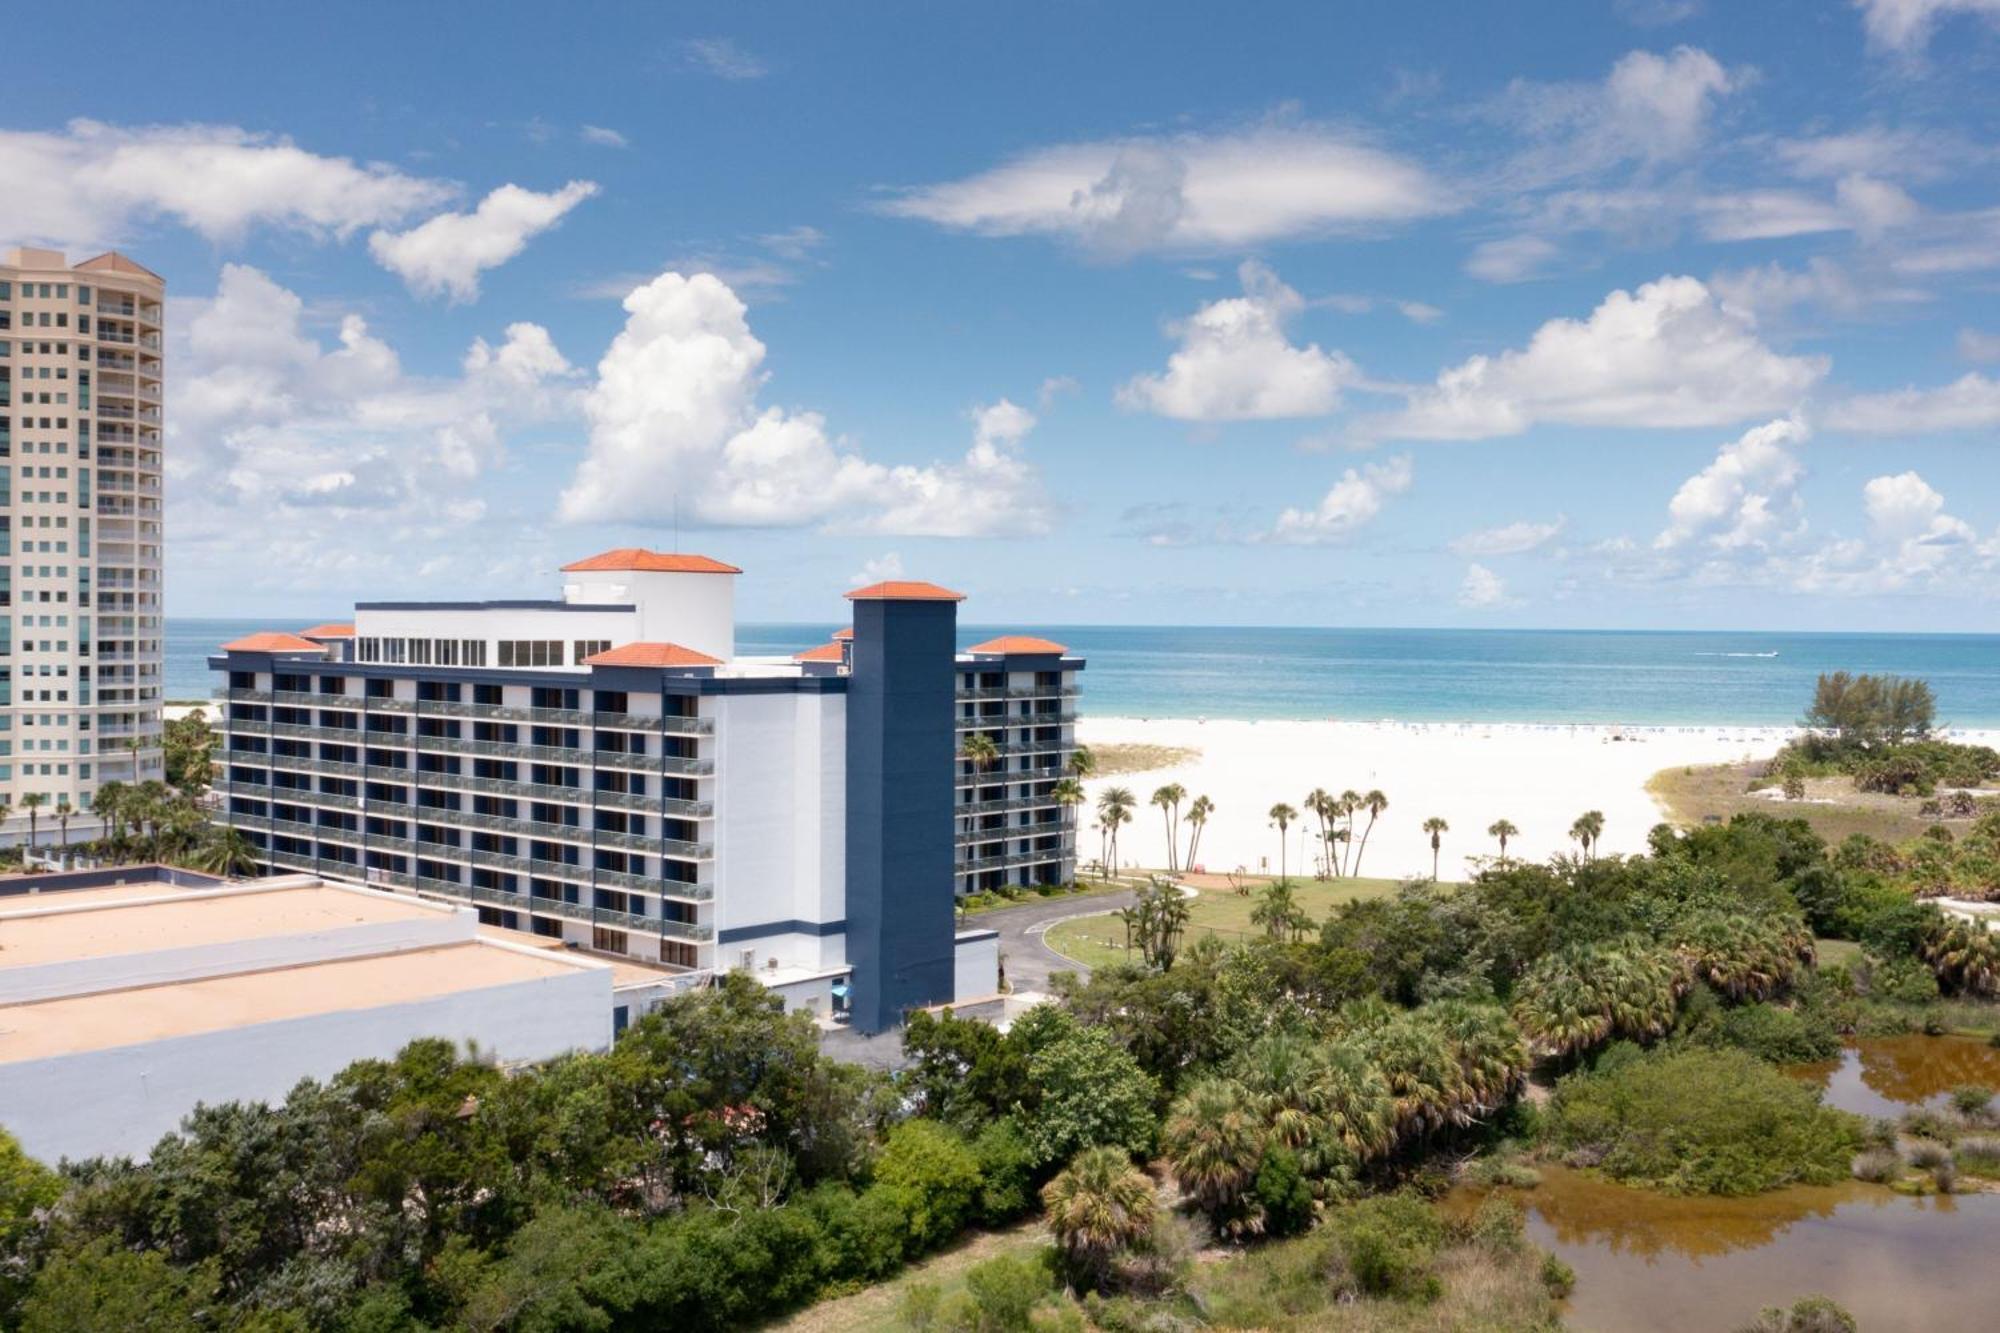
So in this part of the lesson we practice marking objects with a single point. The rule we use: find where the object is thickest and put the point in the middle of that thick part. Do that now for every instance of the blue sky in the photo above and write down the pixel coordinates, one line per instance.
(1653, 313)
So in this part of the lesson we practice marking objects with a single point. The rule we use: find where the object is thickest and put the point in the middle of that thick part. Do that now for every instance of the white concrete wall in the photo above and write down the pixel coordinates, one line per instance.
(121, 1100)
(975, 968)
(696, 611)
(615, 627)
(780, 793)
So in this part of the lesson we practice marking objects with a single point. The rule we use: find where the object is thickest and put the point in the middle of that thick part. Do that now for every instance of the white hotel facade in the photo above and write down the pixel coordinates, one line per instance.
(604, 768)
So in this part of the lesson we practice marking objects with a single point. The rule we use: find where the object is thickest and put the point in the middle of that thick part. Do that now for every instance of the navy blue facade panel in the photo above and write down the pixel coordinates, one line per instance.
(737, 934)
(900, 739)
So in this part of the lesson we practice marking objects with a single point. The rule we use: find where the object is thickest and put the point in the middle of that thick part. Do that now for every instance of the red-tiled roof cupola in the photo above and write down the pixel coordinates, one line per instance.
(1017, 644)
(826, 652)
(652, 655)
(904, 590)
(842, 635)
(328, 632)
(271, 641)
(639, 560)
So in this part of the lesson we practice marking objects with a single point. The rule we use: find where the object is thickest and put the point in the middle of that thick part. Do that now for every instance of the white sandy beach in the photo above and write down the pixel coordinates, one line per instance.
(1540, 776)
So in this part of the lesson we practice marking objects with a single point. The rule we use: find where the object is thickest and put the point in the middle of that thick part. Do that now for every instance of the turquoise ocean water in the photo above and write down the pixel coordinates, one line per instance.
(1663, 678)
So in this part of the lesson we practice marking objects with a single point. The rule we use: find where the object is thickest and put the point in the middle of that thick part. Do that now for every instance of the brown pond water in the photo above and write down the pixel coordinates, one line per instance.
(1648, 1261)
(1886, 1076)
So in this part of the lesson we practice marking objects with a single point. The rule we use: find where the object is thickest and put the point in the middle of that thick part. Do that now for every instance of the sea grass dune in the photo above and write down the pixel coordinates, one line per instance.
(1539, 777)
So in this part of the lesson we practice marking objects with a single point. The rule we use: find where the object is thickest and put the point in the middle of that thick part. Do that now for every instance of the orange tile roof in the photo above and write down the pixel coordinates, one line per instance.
(904, 590)
(273, 642)
(826, 652)
(842, 635)
(652, 655)
(1017, 643)
(640, 560)
(328, 632)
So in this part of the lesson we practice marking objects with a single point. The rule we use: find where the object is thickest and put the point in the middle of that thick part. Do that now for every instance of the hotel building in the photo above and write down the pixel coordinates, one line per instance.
(605, 769)
(81, 387)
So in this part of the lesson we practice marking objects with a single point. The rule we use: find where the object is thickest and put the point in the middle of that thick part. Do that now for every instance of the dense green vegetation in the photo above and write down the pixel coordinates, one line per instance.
(1698, 1121)
(1296, 1094)
(1878, 731)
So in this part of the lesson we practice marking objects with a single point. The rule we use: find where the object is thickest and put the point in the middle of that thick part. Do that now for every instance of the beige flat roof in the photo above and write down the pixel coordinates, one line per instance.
(624, 971)
(188, 920)
(184, 1008)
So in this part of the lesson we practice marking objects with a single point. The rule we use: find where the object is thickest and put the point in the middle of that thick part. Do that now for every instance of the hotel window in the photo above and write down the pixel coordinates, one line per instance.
(679, 953)
(591, 648)
(447, 652)
(473, 651)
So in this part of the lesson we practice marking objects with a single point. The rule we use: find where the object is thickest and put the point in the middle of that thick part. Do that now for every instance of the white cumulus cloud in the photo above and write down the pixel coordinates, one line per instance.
(1667, 355)
(445, 255)
(1352, 503)
(1509, 539)
(295, 460)
(676, 426)
(1190, 192)
(1236, 363)
(1482, 589)
(92, 184)
(1905, 26)
(1970, 402)
(1747, 498)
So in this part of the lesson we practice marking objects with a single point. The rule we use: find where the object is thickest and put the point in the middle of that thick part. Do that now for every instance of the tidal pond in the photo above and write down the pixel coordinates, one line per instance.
(1650, 1262)
(1882, 1077)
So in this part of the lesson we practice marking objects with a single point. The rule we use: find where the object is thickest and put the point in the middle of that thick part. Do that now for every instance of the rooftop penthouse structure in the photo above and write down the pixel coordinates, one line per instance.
(605, 769)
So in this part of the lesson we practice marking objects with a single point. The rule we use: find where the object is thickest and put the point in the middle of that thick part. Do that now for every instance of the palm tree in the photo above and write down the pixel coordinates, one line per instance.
(1114, 807)
(1213, 1144)
(1587, 829)
(1437, 828)
(1068, 794)
(1503, 830)
(1279, 913)
(225, 851)
(1374, 803)
(1169, 799)
(1282, 816)
(1082, 763)
(980, 751)
(32, 803)
(108, 805)
(1100, 1205)
(1197, 817)
(1319, 803)
(1350, 801)
(63, 812)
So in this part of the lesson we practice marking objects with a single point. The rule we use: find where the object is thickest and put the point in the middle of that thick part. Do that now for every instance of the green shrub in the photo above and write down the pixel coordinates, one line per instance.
(1390, 1243)
(920, 1306)
(1814, 1314)
(1782, 1036)
(1283, 1192)
(1972, 1099)
(931, 1174)
(1499, 1226)
(1558, 1277)
(1698, 1121)
(1006, 1172)
(1005, 1290)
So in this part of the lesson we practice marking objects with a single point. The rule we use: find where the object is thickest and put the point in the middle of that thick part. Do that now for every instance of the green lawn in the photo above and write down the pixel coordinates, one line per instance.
(1098, 941)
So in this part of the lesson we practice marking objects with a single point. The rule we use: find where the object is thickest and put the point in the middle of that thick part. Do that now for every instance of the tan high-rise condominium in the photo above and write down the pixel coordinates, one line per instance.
(82, 369)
